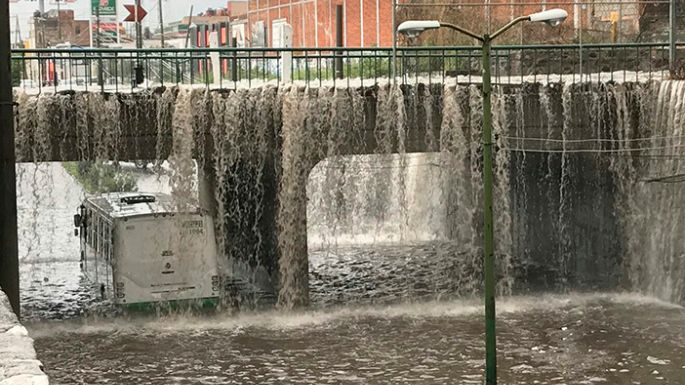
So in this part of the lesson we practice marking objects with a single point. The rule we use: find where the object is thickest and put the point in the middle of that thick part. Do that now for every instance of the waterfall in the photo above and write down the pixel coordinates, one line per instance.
(655, 221)
(588, 177)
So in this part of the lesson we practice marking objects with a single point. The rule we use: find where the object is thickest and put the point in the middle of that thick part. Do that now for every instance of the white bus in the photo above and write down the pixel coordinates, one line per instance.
(139, 251)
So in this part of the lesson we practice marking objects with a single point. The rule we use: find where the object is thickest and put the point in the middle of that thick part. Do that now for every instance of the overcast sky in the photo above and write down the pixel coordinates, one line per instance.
(173, 9)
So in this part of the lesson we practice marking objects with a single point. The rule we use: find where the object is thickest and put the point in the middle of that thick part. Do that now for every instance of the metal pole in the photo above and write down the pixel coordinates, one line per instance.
(339, 12)
(672, 37)
(59, 22)
(139, 27)
(190, 22)
(488, 248)
(139, 44)
(9, 253)
(234, 62)
(161, 21)
(394, 41)
(98, 42)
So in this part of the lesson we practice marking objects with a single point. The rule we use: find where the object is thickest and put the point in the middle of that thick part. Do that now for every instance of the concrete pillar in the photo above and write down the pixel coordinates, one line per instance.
(296, 163)
(249, 208)
(292, 238)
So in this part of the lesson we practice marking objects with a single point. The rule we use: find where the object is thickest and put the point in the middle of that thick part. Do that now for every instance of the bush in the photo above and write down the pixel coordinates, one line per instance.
(97, 178)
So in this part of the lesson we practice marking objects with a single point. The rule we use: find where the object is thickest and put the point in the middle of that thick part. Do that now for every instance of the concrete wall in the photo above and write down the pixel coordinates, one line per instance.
(18, 363)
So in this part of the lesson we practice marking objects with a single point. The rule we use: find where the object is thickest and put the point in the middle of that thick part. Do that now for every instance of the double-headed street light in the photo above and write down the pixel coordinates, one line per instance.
(413, 28)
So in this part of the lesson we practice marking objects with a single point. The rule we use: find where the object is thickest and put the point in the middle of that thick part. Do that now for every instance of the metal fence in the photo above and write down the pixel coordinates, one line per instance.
(130, 69)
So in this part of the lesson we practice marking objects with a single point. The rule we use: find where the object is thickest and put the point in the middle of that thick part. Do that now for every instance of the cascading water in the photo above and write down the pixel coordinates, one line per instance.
(581, 170)
(654, 221)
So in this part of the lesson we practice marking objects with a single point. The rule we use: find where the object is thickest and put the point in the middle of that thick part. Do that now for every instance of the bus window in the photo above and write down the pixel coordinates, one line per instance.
(93, 227)
(96, 234)
(105, 241)
(89, 223)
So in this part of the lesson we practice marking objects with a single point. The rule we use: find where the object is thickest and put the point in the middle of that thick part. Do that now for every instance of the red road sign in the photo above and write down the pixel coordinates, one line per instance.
(132, 13)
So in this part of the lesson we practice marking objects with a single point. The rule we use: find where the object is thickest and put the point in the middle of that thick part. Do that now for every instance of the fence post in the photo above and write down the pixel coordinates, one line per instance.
(287, 67)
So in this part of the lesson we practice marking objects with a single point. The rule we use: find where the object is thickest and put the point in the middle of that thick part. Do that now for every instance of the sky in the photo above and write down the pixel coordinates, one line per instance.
(173, 10)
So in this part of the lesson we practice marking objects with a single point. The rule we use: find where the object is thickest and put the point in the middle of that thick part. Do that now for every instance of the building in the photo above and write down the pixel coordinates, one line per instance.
(58, 27)
(366, 23)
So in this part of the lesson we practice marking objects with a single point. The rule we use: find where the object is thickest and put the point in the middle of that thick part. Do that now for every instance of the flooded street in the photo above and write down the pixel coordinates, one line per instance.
(380, 315)
(584, 339)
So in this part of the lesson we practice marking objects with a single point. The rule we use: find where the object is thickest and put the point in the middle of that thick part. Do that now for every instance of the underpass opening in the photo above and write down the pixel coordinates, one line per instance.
(388, 228)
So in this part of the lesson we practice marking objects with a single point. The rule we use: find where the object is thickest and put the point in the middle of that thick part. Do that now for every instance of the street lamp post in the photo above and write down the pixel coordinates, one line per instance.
(553, 17)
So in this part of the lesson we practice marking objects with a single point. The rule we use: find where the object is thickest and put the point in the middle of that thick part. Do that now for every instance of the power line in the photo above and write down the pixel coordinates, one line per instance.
(566, 151)
(591, 140)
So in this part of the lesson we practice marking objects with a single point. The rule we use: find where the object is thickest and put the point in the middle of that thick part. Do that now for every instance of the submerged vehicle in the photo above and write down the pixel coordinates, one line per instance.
(141, 251)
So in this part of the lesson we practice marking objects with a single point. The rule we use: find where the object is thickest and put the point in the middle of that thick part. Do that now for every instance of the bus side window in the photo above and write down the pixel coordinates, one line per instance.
(106, 239)
(96, 235)
(91, 226)
(101, 224)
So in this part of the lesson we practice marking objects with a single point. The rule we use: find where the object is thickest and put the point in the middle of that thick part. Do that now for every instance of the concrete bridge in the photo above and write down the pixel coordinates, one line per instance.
(566, 207)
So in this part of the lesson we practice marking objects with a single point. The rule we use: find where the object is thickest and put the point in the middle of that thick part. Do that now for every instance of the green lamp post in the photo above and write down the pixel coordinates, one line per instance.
(553, 17)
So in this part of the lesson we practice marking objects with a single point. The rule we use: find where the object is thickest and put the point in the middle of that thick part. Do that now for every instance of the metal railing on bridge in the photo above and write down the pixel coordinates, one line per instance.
(131, 69)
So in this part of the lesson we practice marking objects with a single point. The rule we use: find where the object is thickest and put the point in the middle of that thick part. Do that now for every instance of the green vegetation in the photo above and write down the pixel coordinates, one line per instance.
(100, 178)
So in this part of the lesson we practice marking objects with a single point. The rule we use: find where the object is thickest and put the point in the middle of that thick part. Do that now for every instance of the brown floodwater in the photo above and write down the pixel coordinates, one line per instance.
(571, 339)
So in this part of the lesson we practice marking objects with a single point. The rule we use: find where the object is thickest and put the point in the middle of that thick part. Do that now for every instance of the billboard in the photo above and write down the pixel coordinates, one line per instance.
(108, 31)
(106, 7)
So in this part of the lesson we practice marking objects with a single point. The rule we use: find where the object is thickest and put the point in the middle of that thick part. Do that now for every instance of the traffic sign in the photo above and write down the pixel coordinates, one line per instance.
(132, 12)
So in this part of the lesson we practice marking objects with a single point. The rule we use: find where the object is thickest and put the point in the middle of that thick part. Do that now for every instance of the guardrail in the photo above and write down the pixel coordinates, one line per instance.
(130, 69)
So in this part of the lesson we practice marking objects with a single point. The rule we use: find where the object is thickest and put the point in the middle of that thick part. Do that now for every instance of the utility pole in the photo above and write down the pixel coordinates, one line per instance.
(59, 22)
(97, 27)
(98, 44)
(161, 21)
(139, 27)
(139, 44)
(339, 39)
(17, 33)
(9, 252)
(190, 22)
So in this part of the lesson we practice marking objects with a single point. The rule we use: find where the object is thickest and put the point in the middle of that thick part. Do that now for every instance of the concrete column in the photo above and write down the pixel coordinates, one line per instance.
(249, 224)
(292, 208)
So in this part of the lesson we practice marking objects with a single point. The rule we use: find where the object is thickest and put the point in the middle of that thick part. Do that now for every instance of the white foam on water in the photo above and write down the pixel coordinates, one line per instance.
(279, 320)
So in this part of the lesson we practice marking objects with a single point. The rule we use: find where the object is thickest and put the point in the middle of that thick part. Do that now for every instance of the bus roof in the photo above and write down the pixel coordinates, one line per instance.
(130, 204)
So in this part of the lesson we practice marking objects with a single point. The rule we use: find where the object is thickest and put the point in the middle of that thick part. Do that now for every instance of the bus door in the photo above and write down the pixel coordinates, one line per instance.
(81, 230)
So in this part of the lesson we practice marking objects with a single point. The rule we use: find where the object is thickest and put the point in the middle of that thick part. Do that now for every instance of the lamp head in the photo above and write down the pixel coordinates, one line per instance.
(552, 17)
(413, 28)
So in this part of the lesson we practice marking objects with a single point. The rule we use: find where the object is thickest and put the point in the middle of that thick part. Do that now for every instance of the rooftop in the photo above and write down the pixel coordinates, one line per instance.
(130, 204)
